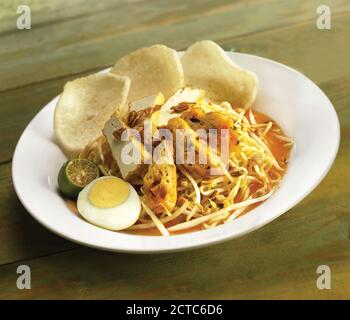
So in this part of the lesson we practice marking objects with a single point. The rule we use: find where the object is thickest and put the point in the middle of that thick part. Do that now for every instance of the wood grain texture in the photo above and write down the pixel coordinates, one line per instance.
(320, 62)
(276, 261)
(96, 38)
(21, 236)
(18, 107)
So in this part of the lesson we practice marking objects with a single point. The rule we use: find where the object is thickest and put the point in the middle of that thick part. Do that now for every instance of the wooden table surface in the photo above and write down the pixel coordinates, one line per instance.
(73, 38)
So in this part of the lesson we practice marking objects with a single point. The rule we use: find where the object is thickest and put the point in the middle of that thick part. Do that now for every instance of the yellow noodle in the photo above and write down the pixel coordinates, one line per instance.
(149, 225)
(269, 126)
(197, 221)
(194, 184)
(156, 221)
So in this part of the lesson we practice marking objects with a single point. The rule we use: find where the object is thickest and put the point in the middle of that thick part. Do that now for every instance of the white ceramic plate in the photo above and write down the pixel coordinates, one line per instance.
(296, 103)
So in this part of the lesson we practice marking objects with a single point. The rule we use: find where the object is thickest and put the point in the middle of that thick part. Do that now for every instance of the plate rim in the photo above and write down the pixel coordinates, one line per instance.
(205, 242)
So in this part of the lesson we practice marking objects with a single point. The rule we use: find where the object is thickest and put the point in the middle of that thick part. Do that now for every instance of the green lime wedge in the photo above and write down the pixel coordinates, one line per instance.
(74, 175)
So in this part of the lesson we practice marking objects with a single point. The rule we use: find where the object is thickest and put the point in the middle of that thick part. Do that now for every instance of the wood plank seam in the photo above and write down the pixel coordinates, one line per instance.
(219, 40)
(60, 20)
(23, 261)
(284, 26)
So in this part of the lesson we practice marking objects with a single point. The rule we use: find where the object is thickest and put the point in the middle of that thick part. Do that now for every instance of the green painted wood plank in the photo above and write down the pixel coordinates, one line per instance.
(19, 106)
(85, 42)
(319, 54)
(312, 53)
(45, 12)
(20, 235)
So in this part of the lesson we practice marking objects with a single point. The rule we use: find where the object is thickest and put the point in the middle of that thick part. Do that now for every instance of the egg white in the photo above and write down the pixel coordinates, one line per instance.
(116, 218)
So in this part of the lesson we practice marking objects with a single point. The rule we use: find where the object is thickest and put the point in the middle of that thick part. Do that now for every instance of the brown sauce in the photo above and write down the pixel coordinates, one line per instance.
(72, 205)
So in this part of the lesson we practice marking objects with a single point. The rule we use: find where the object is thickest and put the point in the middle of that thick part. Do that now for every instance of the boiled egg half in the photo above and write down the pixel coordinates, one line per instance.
(110, 203)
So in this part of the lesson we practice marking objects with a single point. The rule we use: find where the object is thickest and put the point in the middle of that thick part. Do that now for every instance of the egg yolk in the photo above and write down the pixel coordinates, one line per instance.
(109, 192)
